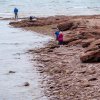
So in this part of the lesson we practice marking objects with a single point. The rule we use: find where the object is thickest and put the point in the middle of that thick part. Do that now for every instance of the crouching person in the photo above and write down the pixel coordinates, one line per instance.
(60, 38)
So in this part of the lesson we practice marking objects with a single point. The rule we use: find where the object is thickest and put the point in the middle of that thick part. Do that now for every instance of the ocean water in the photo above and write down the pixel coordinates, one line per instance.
(14, 44)
(49, 7)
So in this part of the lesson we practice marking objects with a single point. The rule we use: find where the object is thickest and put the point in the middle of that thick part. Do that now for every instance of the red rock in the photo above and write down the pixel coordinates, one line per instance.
(67, 25)
(87, 42)
(95, 45)
(70, 38)
(75, 42)
(91, 56)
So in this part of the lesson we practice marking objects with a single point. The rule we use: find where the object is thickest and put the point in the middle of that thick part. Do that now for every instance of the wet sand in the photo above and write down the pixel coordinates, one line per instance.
(65, 76)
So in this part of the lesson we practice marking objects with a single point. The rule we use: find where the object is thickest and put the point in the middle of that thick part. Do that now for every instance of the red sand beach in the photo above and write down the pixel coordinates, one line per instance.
(71, 71)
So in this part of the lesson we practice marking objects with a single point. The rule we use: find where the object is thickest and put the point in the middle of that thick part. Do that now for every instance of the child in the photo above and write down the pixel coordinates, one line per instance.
(60, 38)
(57, 34)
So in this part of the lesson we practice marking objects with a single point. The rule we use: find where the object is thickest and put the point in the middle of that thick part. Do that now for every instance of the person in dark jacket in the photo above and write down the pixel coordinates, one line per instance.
(16, 13)
(57, 34)
(31, 18)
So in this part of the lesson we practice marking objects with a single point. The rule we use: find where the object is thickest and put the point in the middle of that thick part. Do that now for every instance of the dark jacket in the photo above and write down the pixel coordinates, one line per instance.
(15, 10)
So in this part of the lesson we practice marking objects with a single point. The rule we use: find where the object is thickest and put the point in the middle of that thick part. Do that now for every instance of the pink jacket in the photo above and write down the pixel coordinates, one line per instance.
(60, 37)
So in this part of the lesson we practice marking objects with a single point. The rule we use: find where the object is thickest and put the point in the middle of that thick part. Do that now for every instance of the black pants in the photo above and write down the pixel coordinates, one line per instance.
(60, 43)
(16, 15)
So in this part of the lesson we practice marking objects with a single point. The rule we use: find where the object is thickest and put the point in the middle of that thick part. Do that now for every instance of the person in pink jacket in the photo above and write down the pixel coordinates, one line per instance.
(60, 38)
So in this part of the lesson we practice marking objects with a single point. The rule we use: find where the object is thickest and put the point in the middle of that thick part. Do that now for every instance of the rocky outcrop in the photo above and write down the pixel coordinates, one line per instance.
(67, 25)
(90, 40)
(92, 53)
(91, 56)
(40, 21)
(87, 42)
(77, 31)
(84, 38)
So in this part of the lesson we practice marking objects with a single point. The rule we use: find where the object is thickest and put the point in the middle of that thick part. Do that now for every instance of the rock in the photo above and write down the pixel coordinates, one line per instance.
(83, 66)
(67, 26)
(45, 59)
(85, 35)
(92, 79)
(85, 38)
(91, 71)
(91, 56)
(69, 71)
(51, 87)
(95, 45)
(82, 72)
(41, 70)
(39, 21)
(12, 72)
(26, 84)
(96, 42)
(87, 42)
(40, 66)
(85, 83)
(84, 45)
(92, 48)
(92, 53)
(50, 50)
(70, 38)
(75, 42)
(53, 47)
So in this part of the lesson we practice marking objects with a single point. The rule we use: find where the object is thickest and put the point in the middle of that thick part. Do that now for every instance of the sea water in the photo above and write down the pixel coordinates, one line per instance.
(49, 7)
(14, 44)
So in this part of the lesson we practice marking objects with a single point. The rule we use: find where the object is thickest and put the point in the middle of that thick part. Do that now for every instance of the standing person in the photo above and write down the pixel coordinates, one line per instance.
(31, 18)
(60, 38)
(57, 34)
(16, 13)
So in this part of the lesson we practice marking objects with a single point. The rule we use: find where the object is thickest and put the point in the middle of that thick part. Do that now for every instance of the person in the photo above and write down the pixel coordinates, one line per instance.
(31, 18)
(16, 13)
(60, 38)
(57, 34)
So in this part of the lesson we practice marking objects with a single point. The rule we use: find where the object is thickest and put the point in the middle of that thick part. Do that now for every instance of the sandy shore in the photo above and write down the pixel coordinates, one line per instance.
(65, 76)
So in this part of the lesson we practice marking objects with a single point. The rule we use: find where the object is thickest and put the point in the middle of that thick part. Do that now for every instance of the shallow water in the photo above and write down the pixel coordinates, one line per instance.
(13, 45)
(49, 7)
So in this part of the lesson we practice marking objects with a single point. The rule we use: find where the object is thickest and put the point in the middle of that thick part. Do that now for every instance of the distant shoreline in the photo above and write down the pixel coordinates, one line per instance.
(12, 18)
(48, 23)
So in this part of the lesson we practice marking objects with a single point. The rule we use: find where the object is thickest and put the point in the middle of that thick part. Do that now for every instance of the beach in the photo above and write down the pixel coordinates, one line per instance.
(33, 65)
(68, 74)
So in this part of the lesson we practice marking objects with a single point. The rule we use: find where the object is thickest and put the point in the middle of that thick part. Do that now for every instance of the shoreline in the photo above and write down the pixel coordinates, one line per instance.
(17, 72)
(66, 77)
